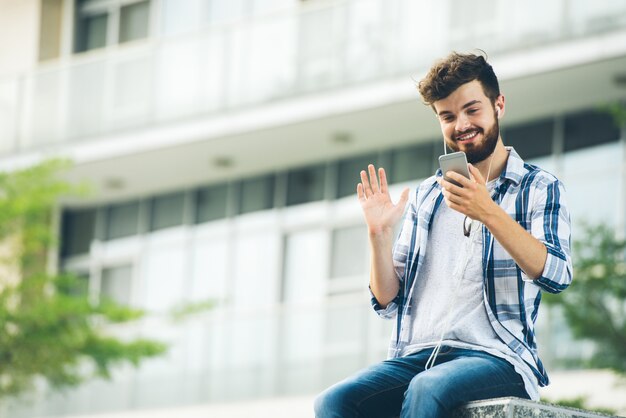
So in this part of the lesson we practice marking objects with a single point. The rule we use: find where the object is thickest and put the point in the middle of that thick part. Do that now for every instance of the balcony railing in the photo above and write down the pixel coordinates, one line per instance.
(270, 58)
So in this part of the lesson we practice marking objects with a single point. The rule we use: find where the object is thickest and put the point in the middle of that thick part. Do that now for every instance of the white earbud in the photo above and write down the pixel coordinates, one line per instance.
(498, 112)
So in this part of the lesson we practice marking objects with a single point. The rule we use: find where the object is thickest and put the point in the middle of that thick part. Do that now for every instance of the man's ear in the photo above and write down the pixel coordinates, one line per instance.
(500, 106)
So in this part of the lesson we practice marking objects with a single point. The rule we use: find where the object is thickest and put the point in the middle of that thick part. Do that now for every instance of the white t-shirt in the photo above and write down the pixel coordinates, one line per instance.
(447, 303)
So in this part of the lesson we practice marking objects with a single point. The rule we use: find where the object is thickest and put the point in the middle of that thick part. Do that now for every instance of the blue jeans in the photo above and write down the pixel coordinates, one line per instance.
(401, 386)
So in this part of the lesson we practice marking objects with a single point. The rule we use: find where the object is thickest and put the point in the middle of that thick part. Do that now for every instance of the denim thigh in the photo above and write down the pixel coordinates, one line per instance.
(402, 385)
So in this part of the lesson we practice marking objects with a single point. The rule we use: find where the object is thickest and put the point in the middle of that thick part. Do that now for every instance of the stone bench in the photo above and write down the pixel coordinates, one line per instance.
(520, 408)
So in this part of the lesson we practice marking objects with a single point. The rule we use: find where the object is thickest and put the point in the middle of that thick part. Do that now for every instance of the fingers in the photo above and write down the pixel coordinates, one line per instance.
(459, 178)
(370, 185)
(404, 197)
(359, 192)
(366, 184)
(452, 188)
(383, 180)
(373, 178)
(476, 174)
(452, 198)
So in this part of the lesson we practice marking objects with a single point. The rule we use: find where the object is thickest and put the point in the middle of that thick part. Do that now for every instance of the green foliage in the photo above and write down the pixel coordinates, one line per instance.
(595, 304)
(183, 311)
(617, 110)
(48, 327)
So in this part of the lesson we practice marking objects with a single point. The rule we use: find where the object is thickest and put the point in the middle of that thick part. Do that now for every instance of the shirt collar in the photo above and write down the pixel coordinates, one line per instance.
(514, 170)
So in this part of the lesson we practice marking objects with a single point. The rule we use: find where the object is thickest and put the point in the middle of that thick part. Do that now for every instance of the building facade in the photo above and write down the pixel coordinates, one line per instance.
(224, 141)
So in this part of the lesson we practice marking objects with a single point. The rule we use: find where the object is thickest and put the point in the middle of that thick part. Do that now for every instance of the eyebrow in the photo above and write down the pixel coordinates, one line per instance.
(465, 106)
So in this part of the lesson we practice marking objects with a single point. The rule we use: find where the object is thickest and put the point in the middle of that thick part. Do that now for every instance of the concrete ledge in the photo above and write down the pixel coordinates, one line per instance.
(520, 408)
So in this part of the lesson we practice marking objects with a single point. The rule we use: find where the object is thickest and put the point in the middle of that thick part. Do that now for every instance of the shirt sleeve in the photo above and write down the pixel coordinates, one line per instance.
(550, 223)
(400, 255)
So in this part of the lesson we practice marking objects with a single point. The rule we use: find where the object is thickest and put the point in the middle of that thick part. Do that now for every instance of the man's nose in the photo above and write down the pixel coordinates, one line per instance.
(462, 123)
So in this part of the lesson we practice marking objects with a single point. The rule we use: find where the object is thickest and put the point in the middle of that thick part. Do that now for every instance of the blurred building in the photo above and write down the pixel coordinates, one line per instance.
(224, 140)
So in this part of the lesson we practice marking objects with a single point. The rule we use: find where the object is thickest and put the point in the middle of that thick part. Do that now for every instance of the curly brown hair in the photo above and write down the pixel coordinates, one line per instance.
(448, 74)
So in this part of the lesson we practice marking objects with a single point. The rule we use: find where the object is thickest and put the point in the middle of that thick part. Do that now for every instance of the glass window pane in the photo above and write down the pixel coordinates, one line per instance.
(531, 140)
(257, 194)
(589, 128)
(349, 173)
(349, 252)
(167, 211)
(77, 231)
(211, 203)
(265, 6)
(226, 11)
(305, 185)
(181, 15)
(122, 220)
(412, 163)
(115, 284)
(304, 276)
(580, 173)
(91, 32)
(134, 21)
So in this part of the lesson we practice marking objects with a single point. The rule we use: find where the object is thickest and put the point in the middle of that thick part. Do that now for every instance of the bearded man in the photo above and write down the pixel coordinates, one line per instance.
(464, 279)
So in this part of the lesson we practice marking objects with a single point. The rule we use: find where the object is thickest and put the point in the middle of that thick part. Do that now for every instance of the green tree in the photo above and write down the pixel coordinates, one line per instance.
(595, 304)
(48, 327)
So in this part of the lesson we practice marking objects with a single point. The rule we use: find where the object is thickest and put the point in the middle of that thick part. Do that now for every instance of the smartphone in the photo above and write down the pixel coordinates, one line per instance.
(457, 162)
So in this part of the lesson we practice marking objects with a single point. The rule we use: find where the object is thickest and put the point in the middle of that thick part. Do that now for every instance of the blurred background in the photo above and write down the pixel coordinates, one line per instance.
(223, 141)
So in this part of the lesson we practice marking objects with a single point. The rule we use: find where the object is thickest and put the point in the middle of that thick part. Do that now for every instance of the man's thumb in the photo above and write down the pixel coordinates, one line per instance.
(404, 197)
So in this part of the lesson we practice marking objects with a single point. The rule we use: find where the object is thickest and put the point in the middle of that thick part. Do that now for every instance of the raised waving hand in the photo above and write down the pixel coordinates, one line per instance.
(381, 214)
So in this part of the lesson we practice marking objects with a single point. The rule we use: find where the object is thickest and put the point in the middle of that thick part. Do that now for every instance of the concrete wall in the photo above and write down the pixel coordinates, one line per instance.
(19, 35)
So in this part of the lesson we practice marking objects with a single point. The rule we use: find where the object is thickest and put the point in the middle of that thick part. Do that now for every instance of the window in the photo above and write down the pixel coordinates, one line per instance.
(167, 211)
(77, 231)
(182, 15)
(586, 129)
(91, 32)
(134, 20)
(349, 173)
(107, 22)
(320, 37)
(349, 252)
(304, 276)
(412, 163)
(531, 140)
(122, 220)
(115, 284)
(305, 185)
(211, 203)
(256, 194)
(227, 11)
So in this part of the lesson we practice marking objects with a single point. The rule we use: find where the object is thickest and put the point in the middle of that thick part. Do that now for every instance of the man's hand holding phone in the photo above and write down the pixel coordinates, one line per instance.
(468, 195)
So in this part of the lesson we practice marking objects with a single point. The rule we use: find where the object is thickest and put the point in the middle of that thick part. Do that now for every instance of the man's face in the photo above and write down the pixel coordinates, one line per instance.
(469, 122)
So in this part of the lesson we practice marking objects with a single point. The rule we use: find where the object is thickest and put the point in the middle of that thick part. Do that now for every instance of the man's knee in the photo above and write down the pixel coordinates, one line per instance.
(328, 403)
(429, 388)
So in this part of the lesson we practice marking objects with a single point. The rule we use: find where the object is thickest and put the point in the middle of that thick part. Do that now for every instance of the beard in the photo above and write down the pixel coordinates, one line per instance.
(479, 152)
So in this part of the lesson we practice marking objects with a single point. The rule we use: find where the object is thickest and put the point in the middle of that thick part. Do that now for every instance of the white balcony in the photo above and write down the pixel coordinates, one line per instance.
(275, 57)
(282, 85)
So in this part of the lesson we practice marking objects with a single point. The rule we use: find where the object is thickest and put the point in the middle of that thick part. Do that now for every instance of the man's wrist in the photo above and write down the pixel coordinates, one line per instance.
(380, 232)
(493, 216)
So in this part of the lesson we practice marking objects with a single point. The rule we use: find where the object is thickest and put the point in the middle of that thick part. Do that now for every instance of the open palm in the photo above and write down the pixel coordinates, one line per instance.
(380, 212)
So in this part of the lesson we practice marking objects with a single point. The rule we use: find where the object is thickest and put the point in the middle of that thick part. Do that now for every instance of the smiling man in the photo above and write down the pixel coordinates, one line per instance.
(464, 307)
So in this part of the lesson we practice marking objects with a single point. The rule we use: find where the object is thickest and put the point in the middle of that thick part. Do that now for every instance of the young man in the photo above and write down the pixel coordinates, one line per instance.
(464, 279)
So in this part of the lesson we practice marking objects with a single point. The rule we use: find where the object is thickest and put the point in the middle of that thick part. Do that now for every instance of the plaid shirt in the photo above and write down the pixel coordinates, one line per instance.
(534, 198)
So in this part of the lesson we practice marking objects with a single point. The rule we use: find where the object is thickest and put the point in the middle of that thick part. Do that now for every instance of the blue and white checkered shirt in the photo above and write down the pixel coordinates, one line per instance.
(534, 199)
